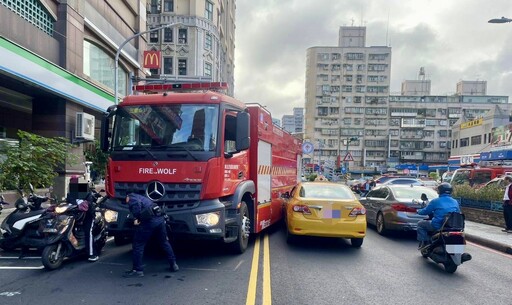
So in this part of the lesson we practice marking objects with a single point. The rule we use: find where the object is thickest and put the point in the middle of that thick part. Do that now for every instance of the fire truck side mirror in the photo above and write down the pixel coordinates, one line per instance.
(243, 139)
(105, 132)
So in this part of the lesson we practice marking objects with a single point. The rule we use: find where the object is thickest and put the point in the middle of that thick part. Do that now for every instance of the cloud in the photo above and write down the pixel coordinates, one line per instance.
(451, 39)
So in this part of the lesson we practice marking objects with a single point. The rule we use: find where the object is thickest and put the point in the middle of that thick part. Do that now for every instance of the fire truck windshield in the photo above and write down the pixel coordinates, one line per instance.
(186, 127)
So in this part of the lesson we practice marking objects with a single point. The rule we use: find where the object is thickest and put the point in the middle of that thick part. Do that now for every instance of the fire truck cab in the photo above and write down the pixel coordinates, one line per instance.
(217, 167)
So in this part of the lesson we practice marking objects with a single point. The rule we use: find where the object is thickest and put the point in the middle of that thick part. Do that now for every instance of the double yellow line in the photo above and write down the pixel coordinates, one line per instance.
(253, 279)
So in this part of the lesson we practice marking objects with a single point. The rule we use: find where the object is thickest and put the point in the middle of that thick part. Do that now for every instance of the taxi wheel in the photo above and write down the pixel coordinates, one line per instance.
(380, 224)
(290, 238)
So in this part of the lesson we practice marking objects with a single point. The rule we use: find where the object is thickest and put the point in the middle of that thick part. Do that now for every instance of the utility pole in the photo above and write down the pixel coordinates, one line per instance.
(346, 151)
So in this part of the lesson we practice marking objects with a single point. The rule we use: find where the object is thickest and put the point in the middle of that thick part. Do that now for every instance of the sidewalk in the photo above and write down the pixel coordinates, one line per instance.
(488, 236)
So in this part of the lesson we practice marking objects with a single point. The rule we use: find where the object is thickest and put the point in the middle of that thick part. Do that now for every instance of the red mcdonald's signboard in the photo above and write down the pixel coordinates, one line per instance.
(152, 59)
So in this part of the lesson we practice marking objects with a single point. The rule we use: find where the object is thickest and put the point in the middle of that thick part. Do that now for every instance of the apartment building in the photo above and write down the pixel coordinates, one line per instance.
(298, 115)
(347, 91)
(349, 109)
(201, 47)
(294, 123)
(288, 122)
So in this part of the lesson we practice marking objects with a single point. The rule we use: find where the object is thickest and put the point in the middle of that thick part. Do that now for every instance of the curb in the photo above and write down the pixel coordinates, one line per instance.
(489, 243)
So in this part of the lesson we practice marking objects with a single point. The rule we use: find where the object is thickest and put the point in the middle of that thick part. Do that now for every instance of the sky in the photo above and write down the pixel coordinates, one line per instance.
(451, 39)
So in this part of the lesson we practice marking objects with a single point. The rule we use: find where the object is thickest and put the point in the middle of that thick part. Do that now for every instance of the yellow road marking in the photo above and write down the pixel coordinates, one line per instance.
(267, 295)
(253, 279)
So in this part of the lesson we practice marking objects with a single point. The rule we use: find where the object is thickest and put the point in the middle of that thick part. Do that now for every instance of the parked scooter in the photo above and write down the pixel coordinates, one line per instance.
(64, 234)
(447, 245)
(20, 228)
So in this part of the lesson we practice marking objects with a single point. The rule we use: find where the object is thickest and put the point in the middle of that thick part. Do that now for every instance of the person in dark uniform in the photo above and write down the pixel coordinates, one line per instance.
(151, 222)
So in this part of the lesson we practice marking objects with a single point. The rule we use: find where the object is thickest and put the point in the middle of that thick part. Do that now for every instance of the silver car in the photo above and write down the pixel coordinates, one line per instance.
(393, 207)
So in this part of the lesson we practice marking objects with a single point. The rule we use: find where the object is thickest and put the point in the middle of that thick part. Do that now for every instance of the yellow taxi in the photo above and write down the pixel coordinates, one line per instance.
(325, 209)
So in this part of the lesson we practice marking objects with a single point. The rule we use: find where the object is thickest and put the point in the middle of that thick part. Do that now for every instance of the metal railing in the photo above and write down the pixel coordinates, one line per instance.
(496, 206)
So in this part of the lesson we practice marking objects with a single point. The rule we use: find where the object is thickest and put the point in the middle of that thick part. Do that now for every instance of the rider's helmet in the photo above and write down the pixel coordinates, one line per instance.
(444, 188)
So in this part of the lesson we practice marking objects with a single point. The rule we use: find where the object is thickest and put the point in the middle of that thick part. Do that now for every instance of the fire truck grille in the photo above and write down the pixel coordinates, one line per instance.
(176, 196)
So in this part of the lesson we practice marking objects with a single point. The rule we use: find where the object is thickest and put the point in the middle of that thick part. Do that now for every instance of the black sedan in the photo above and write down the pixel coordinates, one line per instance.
(393, 207)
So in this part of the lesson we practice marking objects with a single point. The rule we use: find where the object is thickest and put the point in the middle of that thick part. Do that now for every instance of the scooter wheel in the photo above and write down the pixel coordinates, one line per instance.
(51, 260)
(450, 267)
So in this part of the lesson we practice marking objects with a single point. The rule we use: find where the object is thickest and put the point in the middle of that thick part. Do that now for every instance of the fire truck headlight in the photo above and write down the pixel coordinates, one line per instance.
(208, 219)
(110, 216)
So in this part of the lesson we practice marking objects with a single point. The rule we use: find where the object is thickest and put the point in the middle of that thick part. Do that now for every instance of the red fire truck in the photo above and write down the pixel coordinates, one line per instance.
(218, 167)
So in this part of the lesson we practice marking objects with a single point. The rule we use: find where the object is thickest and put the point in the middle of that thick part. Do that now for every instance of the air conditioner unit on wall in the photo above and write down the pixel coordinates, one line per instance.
(84, 126)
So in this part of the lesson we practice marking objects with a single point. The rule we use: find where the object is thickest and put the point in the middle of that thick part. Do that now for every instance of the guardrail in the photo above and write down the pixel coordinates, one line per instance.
(496, 206)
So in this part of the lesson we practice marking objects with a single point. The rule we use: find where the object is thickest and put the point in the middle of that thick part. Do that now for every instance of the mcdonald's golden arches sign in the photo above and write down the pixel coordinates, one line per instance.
(152, 59)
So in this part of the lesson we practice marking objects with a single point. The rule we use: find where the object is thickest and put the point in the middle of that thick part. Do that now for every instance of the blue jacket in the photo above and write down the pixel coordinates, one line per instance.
(136, 203)
(440, 207)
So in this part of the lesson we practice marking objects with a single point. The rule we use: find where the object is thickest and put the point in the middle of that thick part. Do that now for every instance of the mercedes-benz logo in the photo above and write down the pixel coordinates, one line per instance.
(155, 190)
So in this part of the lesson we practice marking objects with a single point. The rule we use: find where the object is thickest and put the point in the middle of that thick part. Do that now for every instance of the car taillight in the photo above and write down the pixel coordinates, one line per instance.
(357, 211)
(304, 209)
(400, 207)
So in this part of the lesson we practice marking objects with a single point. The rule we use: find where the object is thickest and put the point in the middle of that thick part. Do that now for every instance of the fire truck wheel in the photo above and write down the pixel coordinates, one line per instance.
(240, 244)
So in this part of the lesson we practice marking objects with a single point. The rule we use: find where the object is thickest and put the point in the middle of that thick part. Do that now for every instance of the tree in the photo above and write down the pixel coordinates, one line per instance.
(34, 161)
(98, 158)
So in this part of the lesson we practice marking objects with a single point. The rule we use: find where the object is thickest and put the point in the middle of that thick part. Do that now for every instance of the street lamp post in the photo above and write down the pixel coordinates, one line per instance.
(346, 151)
(116, 69)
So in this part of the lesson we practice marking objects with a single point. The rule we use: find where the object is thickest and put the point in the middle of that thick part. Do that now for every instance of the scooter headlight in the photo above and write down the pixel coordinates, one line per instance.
(110, 216)
(61, 209)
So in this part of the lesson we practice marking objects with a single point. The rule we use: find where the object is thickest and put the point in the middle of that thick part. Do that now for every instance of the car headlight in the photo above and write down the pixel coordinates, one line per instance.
(208, 219)
(110, 216)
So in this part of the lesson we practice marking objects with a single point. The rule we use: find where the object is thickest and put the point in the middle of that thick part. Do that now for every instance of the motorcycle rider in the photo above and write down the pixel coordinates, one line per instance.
(439, 207)
(90, 214)
(88, 207)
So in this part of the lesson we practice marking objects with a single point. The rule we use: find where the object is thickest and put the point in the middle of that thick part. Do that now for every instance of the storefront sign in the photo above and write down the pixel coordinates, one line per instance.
(473, 123)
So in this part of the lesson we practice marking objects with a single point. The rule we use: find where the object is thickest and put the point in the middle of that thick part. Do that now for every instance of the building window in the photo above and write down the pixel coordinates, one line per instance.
(153, 72)
(168, 65)
(155, 7)
(464, 142)
(153, 37)
(168, 5)
(207, 69)
(208, 11)
(208, 41)
(168, 34)
(182, 67)
(322, 56)
(476, 140)
(33, 12)
(182, 36)
(98, 65)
